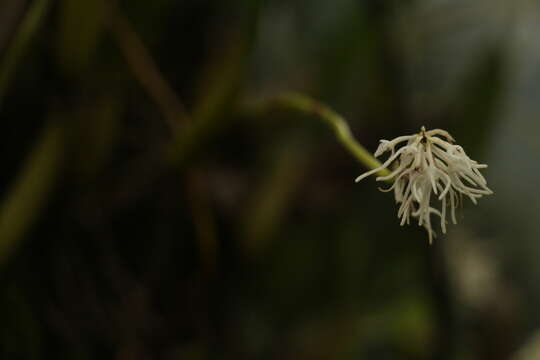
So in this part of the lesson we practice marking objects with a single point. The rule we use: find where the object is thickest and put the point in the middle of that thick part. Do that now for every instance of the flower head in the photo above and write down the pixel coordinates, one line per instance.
(426, 168)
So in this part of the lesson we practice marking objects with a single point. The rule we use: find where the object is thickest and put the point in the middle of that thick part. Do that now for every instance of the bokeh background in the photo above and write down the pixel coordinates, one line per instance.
(150, 208)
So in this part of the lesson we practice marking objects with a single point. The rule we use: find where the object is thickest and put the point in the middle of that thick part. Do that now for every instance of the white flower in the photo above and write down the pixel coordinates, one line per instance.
(428, 168)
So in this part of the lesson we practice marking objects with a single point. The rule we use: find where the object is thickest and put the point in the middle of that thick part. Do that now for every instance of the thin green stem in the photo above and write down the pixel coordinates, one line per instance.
(304, 104)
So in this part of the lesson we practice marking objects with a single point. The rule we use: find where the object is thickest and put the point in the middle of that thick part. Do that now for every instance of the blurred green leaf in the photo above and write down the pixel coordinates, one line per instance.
(25, 33)
(28, 195)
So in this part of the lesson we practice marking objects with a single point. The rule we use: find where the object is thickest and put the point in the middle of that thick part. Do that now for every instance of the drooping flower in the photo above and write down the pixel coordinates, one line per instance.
(428, 168)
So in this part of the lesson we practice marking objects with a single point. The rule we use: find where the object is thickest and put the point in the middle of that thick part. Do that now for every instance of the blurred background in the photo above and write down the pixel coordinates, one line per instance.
(149, 209)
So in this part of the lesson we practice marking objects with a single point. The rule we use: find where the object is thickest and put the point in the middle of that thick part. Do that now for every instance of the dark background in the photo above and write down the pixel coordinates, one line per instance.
(149, 209)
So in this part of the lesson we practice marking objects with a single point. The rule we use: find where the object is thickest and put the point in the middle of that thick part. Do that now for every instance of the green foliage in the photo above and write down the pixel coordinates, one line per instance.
(179, 182)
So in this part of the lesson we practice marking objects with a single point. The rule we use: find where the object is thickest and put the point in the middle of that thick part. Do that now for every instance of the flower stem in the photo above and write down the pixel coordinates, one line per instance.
(304, 104)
